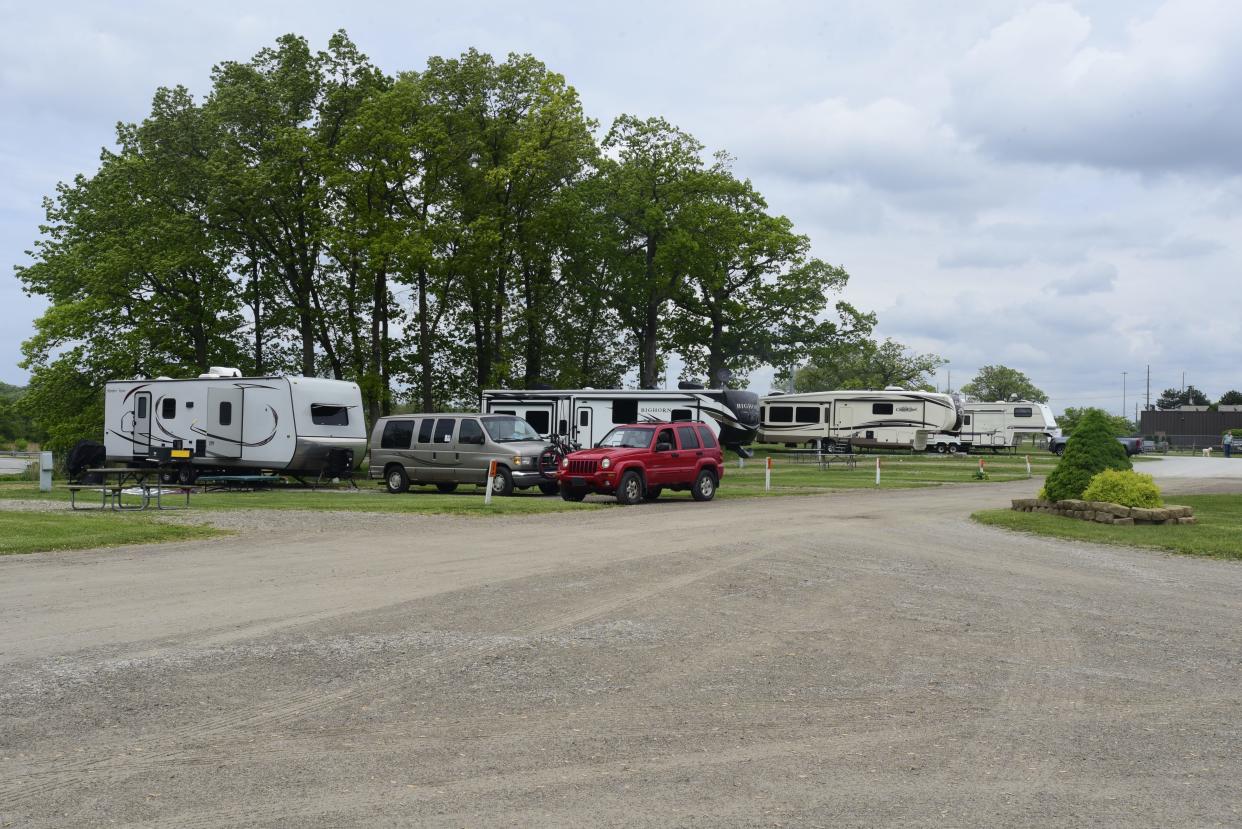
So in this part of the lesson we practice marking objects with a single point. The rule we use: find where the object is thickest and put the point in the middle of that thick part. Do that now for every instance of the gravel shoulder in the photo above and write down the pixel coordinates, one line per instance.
(861, 659)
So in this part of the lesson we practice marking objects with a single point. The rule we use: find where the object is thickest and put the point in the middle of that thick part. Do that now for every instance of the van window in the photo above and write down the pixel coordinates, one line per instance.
(780, 414)
(444, 429)
(709, 440)
(806, 414)
(689, 440)
(1024, 411)
(226, 413)
(881, 408)
(681, 414)
(424, 430)
(539, 420)
(624, 410)
(168, 408)
(470, 432)
(324, 415)
(397, 434)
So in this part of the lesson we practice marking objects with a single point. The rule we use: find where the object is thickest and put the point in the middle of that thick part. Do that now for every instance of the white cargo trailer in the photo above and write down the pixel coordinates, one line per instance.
(221, 421)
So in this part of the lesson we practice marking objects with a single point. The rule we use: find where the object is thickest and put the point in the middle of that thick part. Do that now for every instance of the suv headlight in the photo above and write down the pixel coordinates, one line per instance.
(605, 463)
(565, 463)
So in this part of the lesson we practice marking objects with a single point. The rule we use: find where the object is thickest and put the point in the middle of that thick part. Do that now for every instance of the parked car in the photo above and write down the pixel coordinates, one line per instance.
(638, 461)
(1134, 446)
(448, 449)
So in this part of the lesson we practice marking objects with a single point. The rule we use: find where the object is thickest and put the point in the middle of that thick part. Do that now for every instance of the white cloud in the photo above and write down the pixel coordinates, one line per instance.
(1099, 278)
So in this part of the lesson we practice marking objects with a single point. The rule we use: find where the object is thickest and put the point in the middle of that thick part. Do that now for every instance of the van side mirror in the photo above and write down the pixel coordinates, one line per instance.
(664, 447)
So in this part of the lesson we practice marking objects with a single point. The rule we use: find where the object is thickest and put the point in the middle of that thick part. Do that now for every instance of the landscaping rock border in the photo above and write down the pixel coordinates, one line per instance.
(1103, 512)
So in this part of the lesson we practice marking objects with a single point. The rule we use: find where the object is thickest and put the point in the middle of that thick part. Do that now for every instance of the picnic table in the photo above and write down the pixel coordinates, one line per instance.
(118, 481)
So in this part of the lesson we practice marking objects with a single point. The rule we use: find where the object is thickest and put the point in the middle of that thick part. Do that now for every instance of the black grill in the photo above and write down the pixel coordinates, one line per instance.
(582, 467)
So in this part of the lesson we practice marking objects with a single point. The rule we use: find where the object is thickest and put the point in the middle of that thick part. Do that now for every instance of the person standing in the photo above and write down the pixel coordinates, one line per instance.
(1227, 443)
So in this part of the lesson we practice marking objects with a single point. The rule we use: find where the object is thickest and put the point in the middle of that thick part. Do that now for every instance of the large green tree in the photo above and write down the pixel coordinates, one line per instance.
(860, 363)
(1003, 383)
(1120, 426)
(1230, 398)
(1189, 396)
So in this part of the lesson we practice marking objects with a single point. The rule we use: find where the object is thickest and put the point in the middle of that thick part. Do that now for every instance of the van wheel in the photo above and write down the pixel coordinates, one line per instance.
(574, 495)
(548, 489)
(630, 490)
(502, 484)
(704, 488)
(395, 480)
(653, 493)
(446, 488)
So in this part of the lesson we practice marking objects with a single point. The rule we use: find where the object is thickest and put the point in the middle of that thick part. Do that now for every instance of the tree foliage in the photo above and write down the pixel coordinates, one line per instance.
(428, 234)
(999, 382)
(1091, 449)
(1230, 398)
(1189, 396)
(857, 362)
(1072, 417)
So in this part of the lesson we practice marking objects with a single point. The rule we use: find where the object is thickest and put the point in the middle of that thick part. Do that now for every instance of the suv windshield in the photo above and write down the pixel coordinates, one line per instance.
(627, 438)
(506, 429)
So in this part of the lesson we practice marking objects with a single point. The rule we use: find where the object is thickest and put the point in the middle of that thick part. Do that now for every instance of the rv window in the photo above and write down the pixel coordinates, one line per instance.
(763, 414)
(806, 414)
(780, 414)
(881, 408)
(689, 440)
(624, 411)
(325, 415)
(966, 420)
(584, 418)
(226, 413)
(397, 434)
(168, 408)
(424, 430)
(142, 406)
(444, 429)
(681, 414)
(709, 440)
(562, 427)
(540, 421)
(470, 432)
(1023, 412)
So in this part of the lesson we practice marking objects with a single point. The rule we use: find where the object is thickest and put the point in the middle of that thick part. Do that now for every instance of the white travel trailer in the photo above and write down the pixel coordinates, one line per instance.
(888, 419)
(586, 415)
(221, 421)
(996, 425)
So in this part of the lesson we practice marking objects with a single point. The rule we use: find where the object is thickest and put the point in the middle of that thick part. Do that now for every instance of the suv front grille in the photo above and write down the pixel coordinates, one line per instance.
(582, 467)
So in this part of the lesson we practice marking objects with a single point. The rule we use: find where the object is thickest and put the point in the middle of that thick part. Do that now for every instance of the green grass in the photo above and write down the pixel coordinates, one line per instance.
(35, 532)
(1218, 533)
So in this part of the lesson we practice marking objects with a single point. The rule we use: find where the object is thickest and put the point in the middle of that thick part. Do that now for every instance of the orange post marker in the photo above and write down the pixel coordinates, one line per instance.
(491, 479)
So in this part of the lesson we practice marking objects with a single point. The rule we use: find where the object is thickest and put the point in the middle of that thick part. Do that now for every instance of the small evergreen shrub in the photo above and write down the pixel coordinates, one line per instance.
(1130, 489)
(1090, 450)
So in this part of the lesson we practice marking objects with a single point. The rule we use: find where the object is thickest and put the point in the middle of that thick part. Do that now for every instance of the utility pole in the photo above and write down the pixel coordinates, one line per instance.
(1148, 404)
(1123, 393)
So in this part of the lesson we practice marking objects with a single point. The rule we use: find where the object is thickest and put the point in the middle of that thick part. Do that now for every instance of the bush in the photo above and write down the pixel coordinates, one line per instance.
(1130, 489)
(1090, 450)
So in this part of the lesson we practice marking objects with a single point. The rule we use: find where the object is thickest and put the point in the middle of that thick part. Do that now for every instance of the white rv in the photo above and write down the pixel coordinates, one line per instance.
(888, 419)
(221, 421)
(586, 415)
(995, 425)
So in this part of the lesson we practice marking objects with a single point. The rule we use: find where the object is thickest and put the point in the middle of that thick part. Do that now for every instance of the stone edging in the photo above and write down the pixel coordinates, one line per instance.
(1103, 512)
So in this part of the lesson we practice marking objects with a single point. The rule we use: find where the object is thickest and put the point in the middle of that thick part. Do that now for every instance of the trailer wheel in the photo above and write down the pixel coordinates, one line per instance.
(942, 448)
(186, 474)
(502, 484)
(952, 448)
(396, 480)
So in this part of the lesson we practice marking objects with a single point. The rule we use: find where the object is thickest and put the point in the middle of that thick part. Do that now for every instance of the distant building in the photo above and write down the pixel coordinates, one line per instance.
(1190, 425)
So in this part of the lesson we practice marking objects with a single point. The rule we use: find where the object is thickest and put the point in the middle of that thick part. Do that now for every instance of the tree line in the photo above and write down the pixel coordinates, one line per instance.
(427, 234)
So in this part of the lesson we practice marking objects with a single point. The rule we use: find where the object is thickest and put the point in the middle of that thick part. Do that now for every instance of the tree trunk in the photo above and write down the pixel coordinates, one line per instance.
(648, 361)
(424, 343)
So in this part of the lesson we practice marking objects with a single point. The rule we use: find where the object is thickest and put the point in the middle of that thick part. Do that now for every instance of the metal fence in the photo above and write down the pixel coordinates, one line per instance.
(1189, 443)
(24, 465)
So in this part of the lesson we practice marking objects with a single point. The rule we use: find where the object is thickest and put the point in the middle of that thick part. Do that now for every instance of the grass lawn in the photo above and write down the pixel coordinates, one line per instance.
(35, 532)
(1218, 533)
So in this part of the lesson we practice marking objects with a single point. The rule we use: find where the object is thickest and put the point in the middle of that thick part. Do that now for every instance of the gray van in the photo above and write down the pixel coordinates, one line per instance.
(451, 449)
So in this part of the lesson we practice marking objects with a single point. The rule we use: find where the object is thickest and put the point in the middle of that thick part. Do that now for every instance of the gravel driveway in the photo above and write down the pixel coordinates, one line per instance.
(866, 659)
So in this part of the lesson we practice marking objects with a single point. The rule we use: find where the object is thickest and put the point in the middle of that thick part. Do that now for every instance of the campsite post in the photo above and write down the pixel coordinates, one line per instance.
(1028, 466)
(491, 481)
(767, 475)
(877, 471)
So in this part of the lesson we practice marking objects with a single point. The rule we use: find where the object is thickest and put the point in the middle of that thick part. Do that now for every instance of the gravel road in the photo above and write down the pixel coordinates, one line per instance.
(864, 659)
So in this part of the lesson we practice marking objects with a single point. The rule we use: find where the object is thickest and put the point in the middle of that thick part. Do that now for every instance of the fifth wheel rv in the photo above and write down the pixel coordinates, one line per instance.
(223, 421)
(586, 415)
(890, 419)
(996, 425)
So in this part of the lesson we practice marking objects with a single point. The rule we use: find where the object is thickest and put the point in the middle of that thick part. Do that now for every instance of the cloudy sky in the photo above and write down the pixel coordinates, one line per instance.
(1052, 186)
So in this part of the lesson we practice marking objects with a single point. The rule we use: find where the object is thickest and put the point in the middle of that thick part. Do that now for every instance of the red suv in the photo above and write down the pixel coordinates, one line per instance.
(639, 461)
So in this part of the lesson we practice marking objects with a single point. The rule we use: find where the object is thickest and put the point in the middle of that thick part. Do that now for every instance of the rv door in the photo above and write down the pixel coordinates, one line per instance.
(582, 427)
(224, 422)
(142, 423)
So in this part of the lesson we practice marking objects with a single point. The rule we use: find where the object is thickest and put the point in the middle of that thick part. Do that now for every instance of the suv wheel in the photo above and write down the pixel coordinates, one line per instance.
(396, 480)
(653, 492)
(704, 488)
(1060, 450)
(630, 490)
(548, 489)
(446, 488)
(502, 484)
